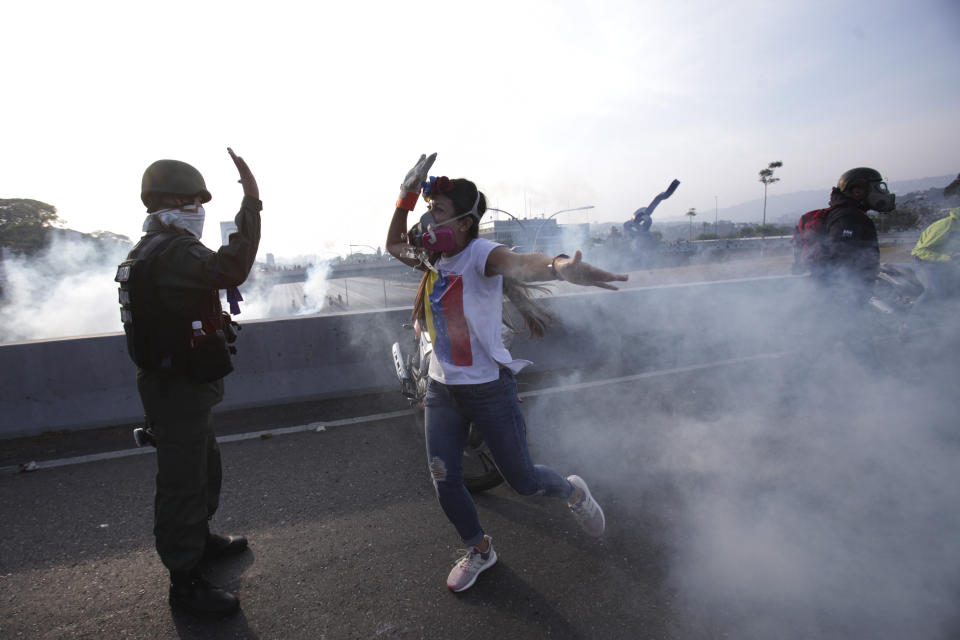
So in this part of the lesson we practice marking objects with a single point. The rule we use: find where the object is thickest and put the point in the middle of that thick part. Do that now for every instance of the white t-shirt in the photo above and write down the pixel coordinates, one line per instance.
(464, 312)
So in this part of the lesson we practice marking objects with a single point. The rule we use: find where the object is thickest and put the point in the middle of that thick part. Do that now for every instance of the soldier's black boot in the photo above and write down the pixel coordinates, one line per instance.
(191, 592)
(222, 546)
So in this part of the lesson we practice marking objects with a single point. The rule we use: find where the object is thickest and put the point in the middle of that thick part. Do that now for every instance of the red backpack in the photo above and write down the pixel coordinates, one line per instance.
(808, 237)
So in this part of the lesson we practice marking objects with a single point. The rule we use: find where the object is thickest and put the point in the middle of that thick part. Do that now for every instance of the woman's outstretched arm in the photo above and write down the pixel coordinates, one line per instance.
(539, 267)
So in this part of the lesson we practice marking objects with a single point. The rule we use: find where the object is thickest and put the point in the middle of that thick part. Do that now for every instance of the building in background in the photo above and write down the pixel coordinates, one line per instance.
(536, 234)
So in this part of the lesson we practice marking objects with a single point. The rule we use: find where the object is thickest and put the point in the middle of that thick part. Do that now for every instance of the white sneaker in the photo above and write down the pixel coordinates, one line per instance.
(586, 510)
(465, 572)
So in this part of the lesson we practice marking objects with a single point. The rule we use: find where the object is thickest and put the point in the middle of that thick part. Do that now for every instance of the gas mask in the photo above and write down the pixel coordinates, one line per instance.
(879, 197)
(437, 236)
(432, 235)
(428, 235)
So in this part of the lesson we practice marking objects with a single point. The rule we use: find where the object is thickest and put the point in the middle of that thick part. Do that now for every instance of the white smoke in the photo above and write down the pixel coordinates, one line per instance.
(265, 299)
(806, 496)
(828, 519)
(66, 290)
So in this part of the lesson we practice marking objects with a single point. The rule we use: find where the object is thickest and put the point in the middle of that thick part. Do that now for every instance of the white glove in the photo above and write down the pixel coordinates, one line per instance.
(410, 188)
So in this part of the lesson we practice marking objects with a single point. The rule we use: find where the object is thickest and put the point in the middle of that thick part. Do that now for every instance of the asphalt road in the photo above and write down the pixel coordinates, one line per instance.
(346, 541)
(728, 502)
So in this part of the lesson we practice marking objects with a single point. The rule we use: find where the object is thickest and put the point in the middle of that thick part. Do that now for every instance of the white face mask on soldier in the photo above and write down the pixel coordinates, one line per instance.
(189, 218)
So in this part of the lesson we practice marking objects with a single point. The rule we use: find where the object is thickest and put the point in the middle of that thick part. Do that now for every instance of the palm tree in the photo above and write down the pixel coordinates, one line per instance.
(691, 214)
(766, 177)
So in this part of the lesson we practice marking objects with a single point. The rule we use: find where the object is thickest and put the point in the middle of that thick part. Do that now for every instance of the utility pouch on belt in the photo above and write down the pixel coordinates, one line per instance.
(209, 358)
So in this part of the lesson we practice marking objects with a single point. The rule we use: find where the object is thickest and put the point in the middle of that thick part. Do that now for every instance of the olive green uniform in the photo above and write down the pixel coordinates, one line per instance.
(178, 408)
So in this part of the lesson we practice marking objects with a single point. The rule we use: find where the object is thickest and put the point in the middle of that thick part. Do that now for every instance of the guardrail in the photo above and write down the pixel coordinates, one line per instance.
(89, 382)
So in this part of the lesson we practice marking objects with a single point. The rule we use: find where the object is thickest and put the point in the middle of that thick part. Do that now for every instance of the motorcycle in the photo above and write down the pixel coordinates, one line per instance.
(895, 292)
(479, 470)
(897, 288)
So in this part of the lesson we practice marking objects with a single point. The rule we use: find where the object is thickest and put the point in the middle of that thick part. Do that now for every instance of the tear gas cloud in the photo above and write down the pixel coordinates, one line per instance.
(806, 495)
(264, 299)
(68, 290)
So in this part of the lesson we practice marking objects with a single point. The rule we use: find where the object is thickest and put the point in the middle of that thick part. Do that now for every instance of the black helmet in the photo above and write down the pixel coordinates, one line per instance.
(859, 177)
(876, 195)
(173, 177)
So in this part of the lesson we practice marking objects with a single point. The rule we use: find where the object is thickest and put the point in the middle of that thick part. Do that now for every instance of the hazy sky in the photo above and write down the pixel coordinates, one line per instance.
(546, 105)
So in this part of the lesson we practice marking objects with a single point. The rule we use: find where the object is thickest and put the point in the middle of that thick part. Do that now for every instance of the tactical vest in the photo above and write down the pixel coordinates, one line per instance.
(159, 334)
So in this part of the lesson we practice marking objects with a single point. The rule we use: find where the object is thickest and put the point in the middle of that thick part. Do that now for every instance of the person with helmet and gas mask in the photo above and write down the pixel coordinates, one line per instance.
(176, 335)
(849, 260)
(471, 375)
(850, 257)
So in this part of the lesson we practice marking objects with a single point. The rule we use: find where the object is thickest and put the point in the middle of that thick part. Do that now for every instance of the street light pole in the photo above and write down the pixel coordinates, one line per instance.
(361, 245)
(519, 222)
(691, 213)
(716, 218)
(537, 234)
(383, 280)
(513, 217)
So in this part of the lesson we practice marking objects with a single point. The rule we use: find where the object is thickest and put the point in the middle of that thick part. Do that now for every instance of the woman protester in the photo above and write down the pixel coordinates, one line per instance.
(460, 302)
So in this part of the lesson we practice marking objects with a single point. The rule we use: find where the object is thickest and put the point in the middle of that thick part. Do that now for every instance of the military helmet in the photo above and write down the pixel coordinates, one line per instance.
(173, 177)
(859, 177)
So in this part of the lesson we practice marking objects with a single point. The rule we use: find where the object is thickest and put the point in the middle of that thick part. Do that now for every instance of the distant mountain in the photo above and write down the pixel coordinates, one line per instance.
(790, 206)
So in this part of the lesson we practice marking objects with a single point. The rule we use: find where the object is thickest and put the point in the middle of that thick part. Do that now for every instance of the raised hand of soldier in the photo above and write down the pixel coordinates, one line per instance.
(577, 271)
(246, 176)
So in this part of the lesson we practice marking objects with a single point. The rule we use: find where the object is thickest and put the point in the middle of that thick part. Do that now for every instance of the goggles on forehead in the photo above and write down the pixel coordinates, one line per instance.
(436, 185)
(441, 185)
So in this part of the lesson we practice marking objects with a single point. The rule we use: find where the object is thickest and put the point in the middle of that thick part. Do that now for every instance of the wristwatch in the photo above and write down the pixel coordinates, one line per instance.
(552, 266)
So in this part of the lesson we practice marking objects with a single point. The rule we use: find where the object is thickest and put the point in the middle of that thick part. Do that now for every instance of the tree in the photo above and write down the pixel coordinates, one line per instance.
(953, 188)
(24, 224)
(900, 219)
(770, 230)
(763, 230)
(766, 177)
(691, 213)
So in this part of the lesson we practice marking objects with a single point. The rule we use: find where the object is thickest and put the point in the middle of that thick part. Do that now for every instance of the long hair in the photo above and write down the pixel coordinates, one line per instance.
(535, 317)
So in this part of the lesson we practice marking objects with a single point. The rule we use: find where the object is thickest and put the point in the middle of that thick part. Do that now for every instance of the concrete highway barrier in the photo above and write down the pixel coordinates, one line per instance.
(89, 382)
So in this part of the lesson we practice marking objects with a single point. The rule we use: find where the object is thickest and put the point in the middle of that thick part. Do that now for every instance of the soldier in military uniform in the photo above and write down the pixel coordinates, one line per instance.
(176, 334)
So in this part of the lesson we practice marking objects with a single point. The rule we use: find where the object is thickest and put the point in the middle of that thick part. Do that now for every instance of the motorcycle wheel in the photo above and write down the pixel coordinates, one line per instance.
(479, 471)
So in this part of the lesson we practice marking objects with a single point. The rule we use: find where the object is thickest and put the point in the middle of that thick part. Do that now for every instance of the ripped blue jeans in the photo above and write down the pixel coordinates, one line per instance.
(494, 409)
